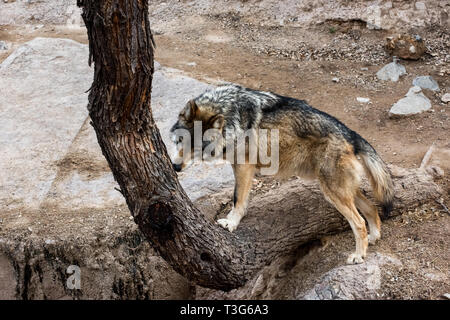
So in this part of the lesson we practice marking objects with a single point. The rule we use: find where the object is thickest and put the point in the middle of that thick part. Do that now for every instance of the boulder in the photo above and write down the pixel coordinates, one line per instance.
(405, 46)
(60, 206)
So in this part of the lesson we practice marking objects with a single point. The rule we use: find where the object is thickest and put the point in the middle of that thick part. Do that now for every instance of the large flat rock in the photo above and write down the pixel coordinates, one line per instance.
(58, 203)
(49, 151)
(42, 107)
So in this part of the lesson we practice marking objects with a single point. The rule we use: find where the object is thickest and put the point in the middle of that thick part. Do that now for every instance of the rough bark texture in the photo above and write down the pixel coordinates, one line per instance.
(121, 46)
(119, 105)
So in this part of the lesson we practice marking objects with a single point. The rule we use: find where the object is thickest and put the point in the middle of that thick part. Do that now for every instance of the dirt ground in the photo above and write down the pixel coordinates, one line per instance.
(276, 59)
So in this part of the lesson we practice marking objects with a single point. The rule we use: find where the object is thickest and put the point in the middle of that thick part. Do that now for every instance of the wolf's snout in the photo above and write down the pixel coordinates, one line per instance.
(176, 167)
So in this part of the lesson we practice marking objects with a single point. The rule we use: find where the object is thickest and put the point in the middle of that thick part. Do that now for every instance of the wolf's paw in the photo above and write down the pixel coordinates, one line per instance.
(373, 238)
(228, 224)
(355, 258)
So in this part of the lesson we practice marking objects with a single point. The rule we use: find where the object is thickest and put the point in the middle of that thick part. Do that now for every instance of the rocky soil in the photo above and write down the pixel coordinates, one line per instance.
(57, 198)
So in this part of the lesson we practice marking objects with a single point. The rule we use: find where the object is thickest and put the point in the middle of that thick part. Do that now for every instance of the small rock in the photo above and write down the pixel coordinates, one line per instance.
(446, 296)
(420, 5)
(49, 241)
(405, 46)
(364, 69)
(426, 82)
(414, 102)
(157, 65)
(335, 80)
(391, 71)
(446, 98)
(4, 45)
(363, 100)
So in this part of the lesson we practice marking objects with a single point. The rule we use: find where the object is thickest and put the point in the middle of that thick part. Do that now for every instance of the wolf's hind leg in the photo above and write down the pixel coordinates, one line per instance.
(370, 212)
(243, 174)
(344, 203)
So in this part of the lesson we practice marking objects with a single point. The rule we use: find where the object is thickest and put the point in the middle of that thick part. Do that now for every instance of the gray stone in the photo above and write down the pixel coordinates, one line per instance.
(4, 45)
(48, 151)
(446, 98)
(391, 71)
(414, 102)
(363, 100)
(43, 87)
(420, 5)
(426, 82)
(7, 275)
(157, 65)
(57, 193)
(351, 282)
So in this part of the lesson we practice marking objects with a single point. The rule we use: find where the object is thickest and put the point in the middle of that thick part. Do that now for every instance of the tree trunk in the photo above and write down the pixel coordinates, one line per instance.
(121, 46)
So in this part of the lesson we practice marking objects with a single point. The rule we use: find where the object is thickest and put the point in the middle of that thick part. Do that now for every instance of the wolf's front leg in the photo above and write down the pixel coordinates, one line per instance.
(243, 174)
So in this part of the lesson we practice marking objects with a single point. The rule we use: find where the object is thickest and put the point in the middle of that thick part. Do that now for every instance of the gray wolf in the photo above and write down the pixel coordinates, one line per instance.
(312, 144)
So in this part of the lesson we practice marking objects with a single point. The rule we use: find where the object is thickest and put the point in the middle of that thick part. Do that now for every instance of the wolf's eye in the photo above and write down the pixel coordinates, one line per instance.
(180, 139)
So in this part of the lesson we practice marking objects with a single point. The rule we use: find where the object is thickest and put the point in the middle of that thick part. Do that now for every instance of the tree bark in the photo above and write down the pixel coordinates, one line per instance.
(121, 47)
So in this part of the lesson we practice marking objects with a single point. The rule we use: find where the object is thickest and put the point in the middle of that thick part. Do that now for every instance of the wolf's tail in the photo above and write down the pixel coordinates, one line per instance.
(378, 173)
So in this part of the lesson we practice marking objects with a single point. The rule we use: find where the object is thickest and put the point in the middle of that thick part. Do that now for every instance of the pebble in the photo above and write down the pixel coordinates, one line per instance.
(335, 80)
(4, 45)
(446, 98)
(363, 100)
(157, 65)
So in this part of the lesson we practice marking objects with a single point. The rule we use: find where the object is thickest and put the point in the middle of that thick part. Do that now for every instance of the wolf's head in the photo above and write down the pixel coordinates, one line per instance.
(197, 132)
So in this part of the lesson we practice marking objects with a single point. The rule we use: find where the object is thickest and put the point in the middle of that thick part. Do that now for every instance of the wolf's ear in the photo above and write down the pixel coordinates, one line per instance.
(190, 110)
(217, 122)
